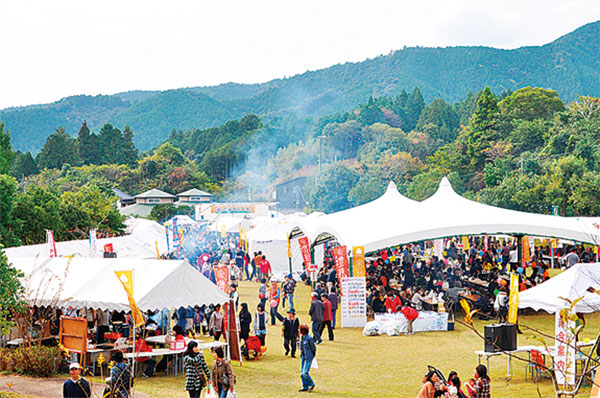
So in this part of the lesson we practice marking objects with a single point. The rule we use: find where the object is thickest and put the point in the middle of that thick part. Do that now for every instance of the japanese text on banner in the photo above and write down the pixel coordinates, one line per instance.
(126, 278)
(513, 302)
(358, 261)
(305, 251)
(222, 278)
(340, 256)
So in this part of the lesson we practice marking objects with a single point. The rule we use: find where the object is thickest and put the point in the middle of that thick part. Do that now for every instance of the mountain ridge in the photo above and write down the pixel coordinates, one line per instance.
(569, 65)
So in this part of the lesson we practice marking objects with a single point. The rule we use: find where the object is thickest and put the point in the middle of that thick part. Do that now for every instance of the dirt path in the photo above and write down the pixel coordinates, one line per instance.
(45, 388)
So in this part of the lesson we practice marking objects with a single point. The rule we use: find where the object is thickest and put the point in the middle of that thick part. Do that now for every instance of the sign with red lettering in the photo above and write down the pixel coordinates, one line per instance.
(564, 355)
(222, 278)
(305, 251)
(340, 256)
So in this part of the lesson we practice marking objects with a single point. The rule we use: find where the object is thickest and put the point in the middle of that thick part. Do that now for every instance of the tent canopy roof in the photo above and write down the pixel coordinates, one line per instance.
(571, 284)
(393, 219)
(92, 283)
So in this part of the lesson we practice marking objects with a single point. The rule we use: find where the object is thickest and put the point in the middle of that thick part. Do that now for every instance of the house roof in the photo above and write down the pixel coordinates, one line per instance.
(155, 193)
(194, 192)
(138, 209)
(122, 195)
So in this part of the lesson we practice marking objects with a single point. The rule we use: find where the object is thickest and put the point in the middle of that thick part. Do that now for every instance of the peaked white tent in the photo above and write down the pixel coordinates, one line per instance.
(394, 219)
(271, 239)
(571, 284)
(138, 243)
(92, 283)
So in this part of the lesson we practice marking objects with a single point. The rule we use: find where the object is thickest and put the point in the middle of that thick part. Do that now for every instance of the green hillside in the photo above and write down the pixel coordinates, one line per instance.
(570, 65)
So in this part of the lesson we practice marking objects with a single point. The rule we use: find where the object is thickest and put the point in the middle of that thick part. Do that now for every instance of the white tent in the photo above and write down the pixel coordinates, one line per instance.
(394, 219)
(571, 284)
(271, 239)
(232, 224)
(143, 235)
(92, 283)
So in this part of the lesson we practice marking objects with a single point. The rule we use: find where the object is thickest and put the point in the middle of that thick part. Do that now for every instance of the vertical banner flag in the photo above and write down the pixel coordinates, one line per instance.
(513, 301)
(340, 256)
(354, 306)
(525, 250)
(486, 243)
(157, 251)
(466, 245)
(51, 244)
(289, 246)
(126, 278)
(358, 261)
(93, 243)
(222, 278)
(438, 247)
(305, 251)
(167, 236)
(564, 353)
(223, 231)
(181, 238)
(175, 233)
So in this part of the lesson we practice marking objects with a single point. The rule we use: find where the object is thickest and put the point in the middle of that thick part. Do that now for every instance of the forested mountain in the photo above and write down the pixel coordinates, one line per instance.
(569, 65)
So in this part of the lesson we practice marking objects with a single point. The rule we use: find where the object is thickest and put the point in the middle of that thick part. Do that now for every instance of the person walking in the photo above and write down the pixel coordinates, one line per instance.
(308, 351)
(260, 324)
(265, 267)
(245, 321)
(288, 289)
(275, 298)
(262, 292)
(216, 323)
(327, 316)
(76, 386)
(316, 316)
(223, 377)
(195, 369)
(291, 326)
(334, 300)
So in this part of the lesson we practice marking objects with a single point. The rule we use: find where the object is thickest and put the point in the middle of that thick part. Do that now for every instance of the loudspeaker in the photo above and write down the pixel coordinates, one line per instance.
(500, 337)
(509, 337)
(493, 337)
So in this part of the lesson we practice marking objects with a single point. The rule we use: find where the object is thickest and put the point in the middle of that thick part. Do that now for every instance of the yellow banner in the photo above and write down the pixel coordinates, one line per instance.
(554, 243)
(513, 301)
(223, 231)
(358, 261)
(465, 242)
(126, 278)
(289, 246)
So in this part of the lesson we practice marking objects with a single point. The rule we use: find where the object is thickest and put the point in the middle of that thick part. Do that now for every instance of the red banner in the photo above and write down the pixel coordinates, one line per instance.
(51, 244)
(340, 257)
(222, 278)
(305, 250)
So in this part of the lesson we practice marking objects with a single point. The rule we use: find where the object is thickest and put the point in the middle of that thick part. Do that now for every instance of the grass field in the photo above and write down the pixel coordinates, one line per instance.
(357, 366)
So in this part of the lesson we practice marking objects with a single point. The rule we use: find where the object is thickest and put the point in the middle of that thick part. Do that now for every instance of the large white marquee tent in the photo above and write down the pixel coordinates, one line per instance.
(92, 283)
(394, 219)
(570, 284)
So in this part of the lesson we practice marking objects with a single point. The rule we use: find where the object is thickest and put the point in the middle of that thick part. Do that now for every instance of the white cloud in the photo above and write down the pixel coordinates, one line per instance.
(54, 49)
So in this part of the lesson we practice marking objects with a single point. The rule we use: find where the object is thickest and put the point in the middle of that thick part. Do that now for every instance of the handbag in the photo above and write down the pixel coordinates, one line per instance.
(314, 364)
(210, 393)
(231, 394)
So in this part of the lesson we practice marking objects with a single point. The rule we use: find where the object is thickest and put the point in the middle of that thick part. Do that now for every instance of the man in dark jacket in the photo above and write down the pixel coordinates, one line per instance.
(308, 350)
(291, 325)
(316, 316)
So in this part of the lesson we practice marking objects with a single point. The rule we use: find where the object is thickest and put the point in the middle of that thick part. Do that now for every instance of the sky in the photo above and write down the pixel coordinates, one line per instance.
(53, 49)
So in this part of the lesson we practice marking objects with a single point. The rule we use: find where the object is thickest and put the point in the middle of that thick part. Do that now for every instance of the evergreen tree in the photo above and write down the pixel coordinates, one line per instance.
(130, 152)
(87, 145)
(59, 149)
(444, 120)
(23, 165)
(414, 106)
(6, 151)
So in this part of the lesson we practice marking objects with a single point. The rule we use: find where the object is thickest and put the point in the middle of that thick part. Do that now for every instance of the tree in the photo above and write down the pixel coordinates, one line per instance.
(441, 119)
(530, 104)
(36, 211)
(6, 151)
(23, 165)
(330, 193)
(165, 212)
(344, 138)
(11, 294)
(8, 193)
(87, 145)
(58, 150)
(414, 106)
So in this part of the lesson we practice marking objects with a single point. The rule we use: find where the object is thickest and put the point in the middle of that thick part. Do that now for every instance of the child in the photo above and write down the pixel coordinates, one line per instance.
(260, 324)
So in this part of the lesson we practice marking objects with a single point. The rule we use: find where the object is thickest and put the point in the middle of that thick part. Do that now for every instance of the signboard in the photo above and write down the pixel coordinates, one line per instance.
(513, 301)
(51, 244)
(354, 303)
(222, 278)
(564, 355)
(341, 262)
(525, 249)
(358, 261)
(555, 210)
(438, 247)
(305, 251)
(232, 208)
(73, 334)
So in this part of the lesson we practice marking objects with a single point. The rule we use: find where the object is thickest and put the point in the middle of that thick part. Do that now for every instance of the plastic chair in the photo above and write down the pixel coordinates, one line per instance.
(536, 366)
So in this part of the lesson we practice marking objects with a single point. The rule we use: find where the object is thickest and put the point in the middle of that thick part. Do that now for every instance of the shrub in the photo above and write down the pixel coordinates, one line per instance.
(36, 361)
(6, 360)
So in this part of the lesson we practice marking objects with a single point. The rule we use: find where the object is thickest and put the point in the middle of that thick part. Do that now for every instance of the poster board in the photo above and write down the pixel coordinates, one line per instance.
(73, 334)
(354, 303)
(564, 355)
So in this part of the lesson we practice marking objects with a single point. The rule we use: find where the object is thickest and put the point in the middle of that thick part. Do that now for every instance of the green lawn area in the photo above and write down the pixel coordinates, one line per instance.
(357, 366)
